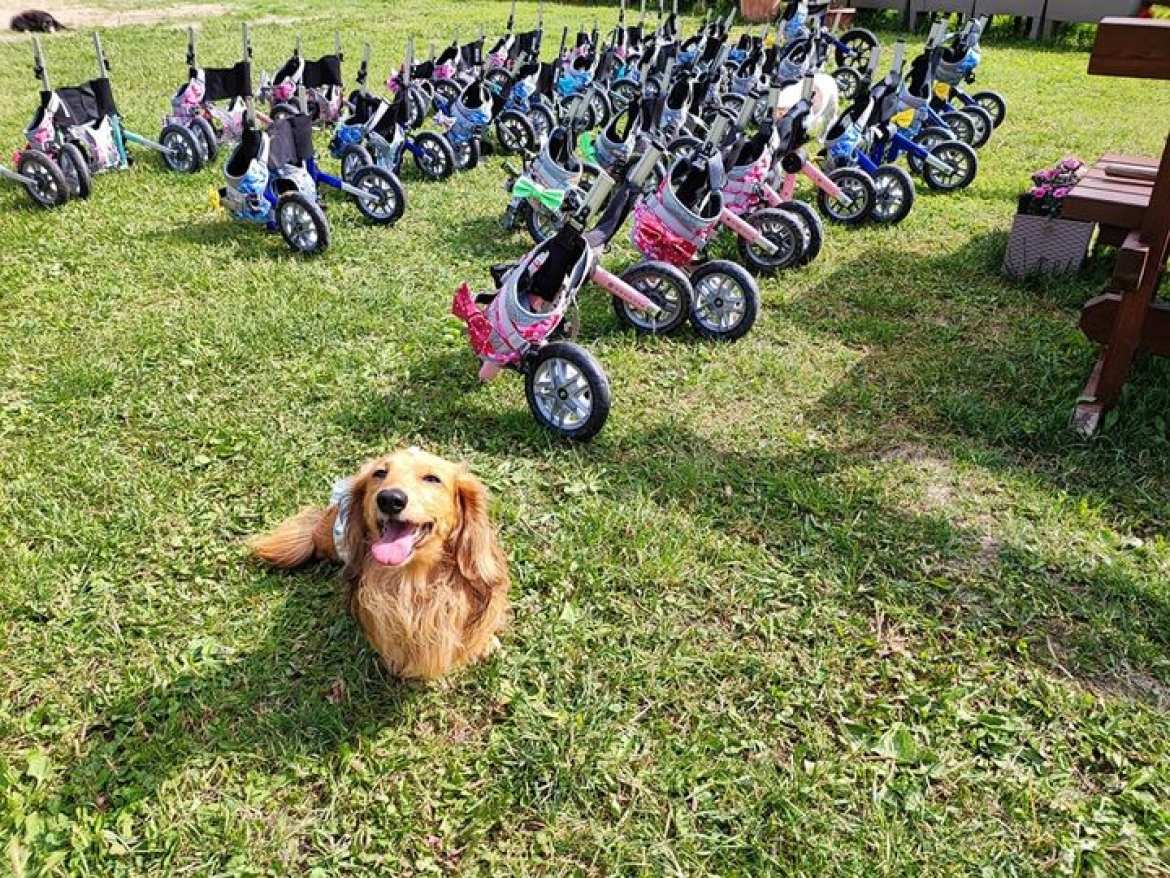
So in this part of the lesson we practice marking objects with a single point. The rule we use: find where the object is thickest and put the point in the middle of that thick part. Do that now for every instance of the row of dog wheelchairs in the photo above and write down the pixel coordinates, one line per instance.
(713, 136)
(684, 136)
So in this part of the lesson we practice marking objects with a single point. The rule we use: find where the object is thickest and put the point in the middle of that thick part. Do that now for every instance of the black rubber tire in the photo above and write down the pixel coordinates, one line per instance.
(863, 42)
(74, 166)
(184, 155)
(993, 103)
(811, 226)
(708, 325)
(542, 121)
(926, 138)
(591, 375)
(50, 188)
(440, 161)
(601, 107)
(204, 132)
(393, 203)
(622, 93)
(984, 124)
(960, 156)
(417, 104)
(498, 79)
(860, 186)
(311, 213)
(539, 225)
(353, 158)
(848, 82)
(466, 154)
(515, 133)
(666, 286)
(446, 93)
(894, 195)
(781, 229)
(961, 125)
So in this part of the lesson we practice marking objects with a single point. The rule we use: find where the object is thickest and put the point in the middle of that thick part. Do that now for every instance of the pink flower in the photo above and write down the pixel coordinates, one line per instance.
(1060, 193)
(1042, 176)
(1040, 191)
(1072, 163)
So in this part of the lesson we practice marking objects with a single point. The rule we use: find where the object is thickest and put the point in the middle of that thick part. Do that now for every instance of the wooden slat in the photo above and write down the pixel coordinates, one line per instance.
(1111, 209)
(1135, 47)
(1099, 319)
(1099, 181)
(1139, 161)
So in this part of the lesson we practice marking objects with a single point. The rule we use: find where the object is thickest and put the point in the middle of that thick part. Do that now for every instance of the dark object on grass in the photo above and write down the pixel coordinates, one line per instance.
(36, 21)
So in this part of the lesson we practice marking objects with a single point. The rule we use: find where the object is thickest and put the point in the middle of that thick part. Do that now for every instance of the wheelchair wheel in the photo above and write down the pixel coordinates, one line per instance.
(961, 125)
(858, 185)
(466, 154)
(204, 132)
(993, 103)
(353, 158)
(74, 166)
(433, 155)
(811, 227)
(302, 223)
(389, 202)
(541, 224)
(602, 108)
(184, 155)
(726, 301)
(48, 188)
(927, 138)
(962, 160)
(894, 195)
(542, 121)
(416, 107)
(664, 285)
(983, 124)
(515, 133)
(782, 230)
(848, 81)
(567, 391)
(498, 79)
(446, 94)
(623, 93)
(856, 49)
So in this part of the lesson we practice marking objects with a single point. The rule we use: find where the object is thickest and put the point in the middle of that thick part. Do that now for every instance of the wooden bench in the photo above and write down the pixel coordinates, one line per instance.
(1129, 196)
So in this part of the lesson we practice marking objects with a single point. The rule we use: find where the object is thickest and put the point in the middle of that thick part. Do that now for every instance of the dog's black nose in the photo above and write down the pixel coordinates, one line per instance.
(392, 501)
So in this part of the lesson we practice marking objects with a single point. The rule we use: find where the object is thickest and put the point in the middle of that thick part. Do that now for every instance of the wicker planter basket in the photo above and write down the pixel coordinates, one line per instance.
(1046, 245)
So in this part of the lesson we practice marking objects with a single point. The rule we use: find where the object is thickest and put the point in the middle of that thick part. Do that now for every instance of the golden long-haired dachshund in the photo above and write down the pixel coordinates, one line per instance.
(424, 575)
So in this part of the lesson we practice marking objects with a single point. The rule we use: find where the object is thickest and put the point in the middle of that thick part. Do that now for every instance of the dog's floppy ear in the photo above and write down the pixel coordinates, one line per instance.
(355, 540)
(477, 553)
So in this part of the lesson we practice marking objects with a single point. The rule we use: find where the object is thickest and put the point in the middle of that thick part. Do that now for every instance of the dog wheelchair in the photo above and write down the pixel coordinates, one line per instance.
(512, 328)
(378, 132)
(272, 177)
(195, 105)
(86, 118)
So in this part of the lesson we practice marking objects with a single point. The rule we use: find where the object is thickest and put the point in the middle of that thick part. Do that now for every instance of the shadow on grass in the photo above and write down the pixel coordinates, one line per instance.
(1096, 623)
(304, 689)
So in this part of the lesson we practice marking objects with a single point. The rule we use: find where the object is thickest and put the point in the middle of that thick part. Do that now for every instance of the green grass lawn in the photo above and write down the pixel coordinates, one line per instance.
(845, 598)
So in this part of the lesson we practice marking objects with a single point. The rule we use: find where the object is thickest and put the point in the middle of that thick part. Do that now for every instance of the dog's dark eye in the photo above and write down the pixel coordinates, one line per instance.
(433, 479)
(379, 474)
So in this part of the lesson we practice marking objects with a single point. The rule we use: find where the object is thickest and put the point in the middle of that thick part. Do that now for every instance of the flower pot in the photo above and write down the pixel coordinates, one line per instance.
(1046, 245)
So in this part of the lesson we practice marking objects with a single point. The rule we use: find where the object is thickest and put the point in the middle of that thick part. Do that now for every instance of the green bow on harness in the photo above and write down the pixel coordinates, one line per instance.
(550, 198)
(585, 144)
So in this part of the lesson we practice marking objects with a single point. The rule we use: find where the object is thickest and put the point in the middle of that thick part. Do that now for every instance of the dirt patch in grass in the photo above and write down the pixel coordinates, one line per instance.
(80, 16)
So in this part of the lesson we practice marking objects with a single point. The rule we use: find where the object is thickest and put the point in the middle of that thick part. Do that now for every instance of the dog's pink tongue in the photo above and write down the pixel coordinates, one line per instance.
(395, 545)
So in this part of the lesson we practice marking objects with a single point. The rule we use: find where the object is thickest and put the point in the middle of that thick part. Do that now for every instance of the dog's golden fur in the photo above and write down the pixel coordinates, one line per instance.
(442, 607)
